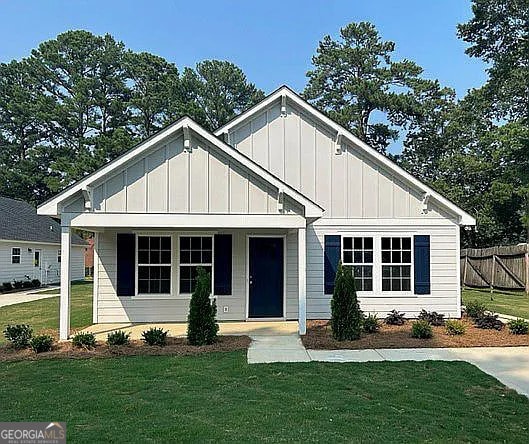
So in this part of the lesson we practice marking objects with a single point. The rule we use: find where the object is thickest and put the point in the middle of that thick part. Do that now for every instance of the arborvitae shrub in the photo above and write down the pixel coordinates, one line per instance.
(346, 316)
(202, 324)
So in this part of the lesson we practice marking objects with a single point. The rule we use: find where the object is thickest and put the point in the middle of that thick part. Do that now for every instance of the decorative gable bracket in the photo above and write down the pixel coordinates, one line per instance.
(283, 105)
(338, 145)
(280, 201)
(187, 139)
(425, 199)
(87, 196)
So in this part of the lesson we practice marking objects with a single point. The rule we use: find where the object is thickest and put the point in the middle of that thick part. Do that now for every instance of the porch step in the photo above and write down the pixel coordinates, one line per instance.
(278, 348)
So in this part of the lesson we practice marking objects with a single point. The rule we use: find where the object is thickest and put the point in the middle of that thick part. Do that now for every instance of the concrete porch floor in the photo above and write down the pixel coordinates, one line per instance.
(252, 328)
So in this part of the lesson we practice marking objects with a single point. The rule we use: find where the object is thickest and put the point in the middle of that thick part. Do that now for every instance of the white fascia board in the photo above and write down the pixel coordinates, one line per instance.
(465, 218)
(173, 221)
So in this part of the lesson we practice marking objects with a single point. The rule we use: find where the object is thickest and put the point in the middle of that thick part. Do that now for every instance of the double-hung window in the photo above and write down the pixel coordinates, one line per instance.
(15, 255)
(195, 252)
(358, 253)
(154, 264)
(396, 263)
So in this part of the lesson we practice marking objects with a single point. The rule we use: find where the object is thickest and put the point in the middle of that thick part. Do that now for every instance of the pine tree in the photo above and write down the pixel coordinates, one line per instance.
(202, 325)
(346, 316)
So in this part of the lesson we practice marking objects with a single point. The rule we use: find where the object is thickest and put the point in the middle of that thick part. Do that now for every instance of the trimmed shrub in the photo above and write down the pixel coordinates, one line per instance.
(475, 309)
(395, 318)
(346, 316)
(7, 286)
(432, 317)
(455, 327)
(421, 330)
(41, 343)
(35, 283)
(118, 338)
(371, 324)
(154, 336)
(518, 327)
(489, 321)
(26, 284)
(84, 340)
(18, 284)
(202, 324)
(19, 335)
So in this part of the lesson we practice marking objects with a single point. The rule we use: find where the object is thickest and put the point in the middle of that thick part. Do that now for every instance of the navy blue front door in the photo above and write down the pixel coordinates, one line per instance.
(266, 277)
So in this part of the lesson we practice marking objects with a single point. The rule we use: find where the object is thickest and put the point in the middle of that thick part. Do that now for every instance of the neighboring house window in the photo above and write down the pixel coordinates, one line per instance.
(15, 255)
(154, 264)
(195, 251)
(358, 253)
(59, 256)
(396, 263)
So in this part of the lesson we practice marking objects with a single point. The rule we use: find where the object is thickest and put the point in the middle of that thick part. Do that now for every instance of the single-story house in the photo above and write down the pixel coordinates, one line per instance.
(268, 203)
(30, 245)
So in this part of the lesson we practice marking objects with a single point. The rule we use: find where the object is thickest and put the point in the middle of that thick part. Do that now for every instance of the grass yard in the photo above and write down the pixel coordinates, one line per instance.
(219, 397)
(44, 313)
(515, 303)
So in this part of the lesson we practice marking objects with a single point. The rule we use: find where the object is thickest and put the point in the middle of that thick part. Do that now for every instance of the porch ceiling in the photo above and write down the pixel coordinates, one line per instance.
(100, 221)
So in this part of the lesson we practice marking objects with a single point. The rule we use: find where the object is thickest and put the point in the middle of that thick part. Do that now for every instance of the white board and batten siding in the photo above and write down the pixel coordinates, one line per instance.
(172, 180)
(302, 152)
(359, 195)
(48, 261)
(175, 307)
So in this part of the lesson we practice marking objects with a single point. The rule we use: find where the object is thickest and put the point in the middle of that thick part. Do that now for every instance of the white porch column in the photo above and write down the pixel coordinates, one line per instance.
(64, 318)
(302, 280)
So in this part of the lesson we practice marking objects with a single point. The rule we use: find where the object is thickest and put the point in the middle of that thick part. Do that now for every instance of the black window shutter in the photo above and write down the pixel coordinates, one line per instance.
(126, 264)
(222, 264)
(332, 253)
(421, 253)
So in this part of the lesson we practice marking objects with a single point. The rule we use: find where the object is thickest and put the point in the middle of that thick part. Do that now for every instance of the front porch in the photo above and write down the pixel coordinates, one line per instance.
(256, 263)
(179, 329)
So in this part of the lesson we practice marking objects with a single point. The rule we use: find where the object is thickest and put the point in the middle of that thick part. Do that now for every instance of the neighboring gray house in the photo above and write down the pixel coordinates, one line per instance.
(30, 245)
(269, 204)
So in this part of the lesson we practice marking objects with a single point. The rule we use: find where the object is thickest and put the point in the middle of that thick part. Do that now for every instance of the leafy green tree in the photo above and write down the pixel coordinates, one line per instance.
(220, 90)
(355, 77)
(202, 325)
(346, 316)
(498, 33)
(154, 91)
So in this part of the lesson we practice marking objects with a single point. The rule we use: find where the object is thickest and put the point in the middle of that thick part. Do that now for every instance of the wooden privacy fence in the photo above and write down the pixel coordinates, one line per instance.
(505, 267)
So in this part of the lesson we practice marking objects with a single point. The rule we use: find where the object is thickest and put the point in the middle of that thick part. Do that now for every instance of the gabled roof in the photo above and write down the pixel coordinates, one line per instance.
(20, 222)
(285, 91)
(52, 207)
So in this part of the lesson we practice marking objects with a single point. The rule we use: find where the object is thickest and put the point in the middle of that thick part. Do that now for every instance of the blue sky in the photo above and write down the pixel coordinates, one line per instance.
(272, 41)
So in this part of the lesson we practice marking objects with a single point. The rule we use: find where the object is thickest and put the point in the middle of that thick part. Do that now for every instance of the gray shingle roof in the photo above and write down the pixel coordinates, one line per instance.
(20, 221)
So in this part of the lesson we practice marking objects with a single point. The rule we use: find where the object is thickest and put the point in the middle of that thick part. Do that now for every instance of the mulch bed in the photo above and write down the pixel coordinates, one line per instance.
(319, 337)
(175, 346)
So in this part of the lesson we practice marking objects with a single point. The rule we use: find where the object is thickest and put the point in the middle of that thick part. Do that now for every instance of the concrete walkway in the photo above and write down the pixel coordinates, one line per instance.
(278, 348)
(27, 296)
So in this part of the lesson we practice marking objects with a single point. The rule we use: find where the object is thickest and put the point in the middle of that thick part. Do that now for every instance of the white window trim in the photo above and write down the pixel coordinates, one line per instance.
(138, 295)
(411, 291)
(353, 235)
(377, 262)
(19, 255)
(178, 264)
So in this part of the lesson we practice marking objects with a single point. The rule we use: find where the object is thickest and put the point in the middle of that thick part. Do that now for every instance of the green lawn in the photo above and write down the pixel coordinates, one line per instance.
(514, 303)
(44, 313)
(219, 397)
